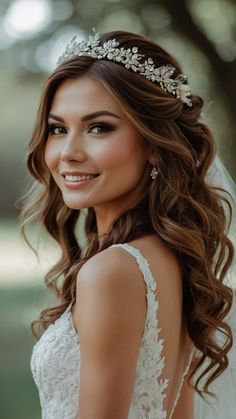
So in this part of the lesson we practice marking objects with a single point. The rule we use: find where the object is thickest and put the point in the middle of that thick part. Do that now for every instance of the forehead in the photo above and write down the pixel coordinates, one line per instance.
(84, 94)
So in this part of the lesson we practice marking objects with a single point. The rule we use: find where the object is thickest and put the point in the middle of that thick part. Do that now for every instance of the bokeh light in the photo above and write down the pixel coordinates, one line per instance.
(5, 40)
(156, 17)
(48, 52)
(124, 19)
(217, 22)
(26, 17)
(63, 9)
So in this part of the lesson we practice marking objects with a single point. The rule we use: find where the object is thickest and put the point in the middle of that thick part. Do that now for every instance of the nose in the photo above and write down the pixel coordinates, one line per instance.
(72, 149)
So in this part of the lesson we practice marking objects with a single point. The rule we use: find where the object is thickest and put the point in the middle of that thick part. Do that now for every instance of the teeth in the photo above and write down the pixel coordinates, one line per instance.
(73, 178)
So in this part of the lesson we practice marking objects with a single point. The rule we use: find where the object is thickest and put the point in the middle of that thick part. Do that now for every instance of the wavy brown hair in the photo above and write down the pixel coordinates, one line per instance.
(180, 206)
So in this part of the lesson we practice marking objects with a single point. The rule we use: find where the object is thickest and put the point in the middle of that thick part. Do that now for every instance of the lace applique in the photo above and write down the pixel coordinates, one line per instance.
(55, 364)
(149, 392)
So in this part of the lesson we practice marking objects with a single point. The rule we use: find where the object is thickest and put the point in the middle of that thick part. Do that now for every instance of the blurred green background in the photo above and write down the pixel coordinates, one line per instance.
(33, 33)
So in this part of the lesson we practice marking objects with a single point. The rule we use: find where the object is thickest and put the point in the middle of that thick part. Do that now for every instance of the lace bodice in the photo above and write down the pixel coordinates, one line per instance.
(55, 362)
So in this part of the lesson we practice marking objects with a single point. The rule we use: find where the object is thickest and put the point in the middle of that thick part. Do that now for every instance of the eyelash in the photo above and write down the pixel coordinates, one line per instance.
(52, 127)
(105, 128)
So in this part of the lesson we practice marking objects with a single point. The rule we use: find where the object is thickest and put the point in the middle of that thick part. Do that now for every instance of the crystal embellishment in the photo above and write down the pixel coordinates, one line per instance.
(130, 58)
(154, 173)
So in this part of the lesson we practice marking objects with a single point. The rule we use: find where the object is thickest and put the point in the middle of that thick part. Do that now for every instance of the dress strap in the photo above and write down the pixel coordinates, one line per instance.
(142, 262)
(151, 360)
(182, 381)
(151, 323)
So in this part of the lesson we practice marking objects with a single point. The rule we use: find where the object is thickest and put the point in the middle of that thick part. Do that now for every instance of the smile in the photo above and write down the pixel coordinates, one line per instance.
(73, 178)
(75, 182)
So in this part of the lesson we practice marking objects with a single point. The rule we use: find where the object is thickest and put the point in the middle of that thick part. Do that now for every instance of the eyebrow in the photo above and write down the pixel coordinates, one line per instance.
(85, 117)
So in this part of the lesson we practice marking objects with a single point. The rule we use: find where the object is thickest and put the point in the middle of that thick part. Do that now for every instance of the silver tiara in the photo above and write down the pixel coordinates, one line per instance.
(131, 59)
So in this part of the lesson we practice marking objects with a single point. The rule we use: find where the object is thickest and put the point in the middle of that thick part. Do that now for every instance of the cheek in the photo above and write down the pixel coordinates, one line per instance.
(116, 153)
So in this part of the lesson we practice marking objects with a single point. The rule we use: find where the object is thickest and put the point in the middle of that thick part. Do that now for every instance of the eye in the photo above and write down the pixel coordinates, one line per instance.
(100, 128)
(54, 129)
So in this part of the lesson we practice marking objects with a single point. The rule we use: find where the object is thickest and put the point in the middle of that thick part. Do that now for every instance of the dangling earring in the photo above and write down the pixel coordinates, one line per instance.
(154, 173)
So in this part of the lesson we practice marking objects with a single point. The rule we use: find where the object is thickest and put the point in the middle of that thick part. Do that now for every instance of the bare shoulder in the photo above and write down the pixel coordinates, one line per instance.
(113, 266)
(111, 282)
(104, 263)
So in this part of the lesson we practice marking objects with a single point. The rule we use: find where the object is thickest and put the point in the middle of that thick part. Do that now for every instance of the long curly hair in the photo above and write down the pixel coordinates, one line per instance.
(180, 206)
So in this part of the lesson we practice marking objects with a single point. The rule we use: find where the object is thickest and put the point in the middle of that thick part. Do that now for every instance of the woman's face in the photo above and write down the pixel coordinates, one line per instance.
(90, 134)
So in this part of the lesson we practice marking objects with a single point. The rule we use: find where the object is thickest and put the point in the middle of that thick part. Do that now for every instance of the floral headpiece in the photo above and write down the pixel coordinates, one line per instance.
(131, 60)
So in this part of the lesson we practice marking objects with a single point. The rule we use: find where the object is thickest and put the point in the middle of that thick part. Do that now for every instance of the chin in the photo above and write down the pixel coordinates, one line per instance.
(75, 205)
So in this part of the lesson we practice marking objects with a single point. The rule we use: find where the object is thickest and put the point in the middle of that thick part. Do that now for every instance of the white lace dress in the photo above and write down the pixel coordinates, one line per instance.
(55, 363)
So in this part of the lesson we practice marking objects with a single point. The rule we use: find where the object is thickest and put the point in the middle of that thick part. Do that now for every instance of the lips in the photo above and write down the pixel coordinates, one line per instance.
(78, 181)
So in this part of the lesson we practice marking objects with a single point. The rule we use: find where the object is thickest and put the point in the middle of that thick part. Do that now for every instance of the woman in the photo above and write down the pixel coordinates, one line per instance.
(118, 136)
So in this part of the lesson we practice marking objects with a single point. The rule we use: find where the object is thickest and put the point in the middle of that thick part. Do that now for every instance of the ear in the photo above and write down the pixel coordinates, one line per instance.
(152, 156)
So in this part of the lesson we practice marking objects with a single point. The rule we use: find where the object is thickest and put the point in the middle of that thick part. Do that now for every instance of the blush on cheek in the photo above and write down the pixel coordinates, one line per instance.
(115, 154)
